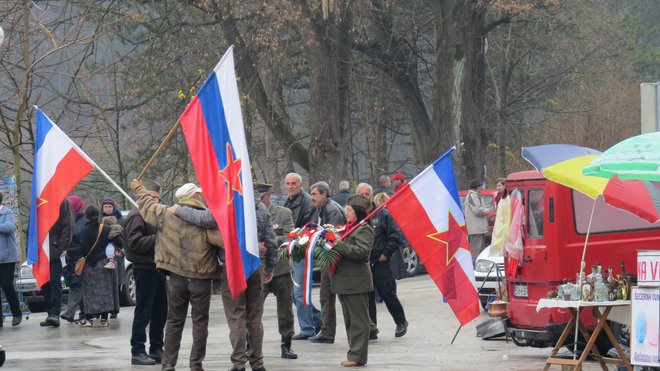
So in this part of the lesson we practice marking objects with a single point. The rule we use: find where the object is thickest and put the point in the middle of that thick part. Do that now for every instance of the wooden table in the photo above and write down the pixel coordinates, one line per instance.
(600, 310)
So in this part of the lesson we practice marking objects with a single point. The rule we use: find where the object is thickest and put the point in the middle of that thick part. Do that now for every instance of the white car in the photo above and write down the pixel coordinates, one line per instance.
(488, 274)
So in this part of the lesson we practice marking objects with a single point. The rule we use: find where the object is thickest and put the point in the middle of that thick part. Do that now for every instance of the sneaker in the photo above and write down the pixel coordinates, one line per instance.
(110, 265)
(86, 323)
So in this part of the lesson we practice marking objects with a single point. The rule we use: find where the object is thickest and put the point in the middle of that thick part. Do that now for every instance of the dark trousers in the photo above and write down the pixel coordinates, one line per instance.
(386, 286)
(244, 320)
(328, 300)
(150, 309)
(281, 286)
(7, 286)
(181, 291)
(53, 289)
(355, 308)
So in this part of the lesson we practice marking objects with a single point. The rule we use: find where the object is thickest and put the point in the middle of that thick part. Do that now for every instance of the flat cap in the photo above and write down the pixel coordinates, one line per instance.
(186, 191)
(359, 201)
(262, 187)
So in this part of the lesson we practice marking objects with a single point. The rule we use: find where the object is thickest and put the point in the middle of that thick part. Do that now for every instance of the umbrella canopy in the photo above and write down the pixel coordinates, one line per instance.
(634, 158)
(563, 164)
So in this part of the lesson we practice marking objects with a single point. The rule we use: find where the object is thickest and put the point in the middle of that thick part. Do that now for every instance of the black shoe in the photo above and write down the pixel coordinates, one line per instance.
(142, 359)
(300, 336)
(318, 338)
(373, 335)
(16, 320)
(50, 321)
(259, 369)
(113, 315)
(156, 355)
(237, 369)
(401, 329)
(288, 353)
(67, 318)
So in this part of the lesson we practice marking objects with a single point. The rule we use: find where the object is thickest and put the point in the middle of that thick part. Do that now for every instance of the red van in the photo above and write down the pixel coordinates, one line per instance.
(556, 222)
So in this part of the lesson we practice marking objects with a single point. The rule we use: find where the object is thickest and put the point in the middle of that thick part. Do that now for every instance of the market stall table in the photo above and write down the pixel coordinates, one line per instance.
(601, 316)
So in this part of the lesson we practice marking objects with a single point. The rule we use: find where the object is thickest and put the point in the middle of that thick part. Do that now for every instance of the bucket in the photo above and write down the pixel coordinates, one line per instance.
(648, 268)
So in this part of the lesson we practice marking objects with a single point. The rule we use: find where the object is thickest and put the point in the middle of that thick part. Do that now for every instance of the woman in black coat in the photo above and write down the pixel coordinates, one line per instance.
(97, 282)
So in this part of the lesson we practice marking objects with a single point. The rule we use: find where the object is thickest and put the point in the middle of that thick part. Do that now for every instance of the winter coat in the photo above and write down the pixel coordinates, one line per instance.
(302, 209)
(181, 248)
(475, 213)
(353, 274)
(8, 246)
(331, 213)
(282, 225)
(140, 238)
(387, 235)
(87, 238)
(341, 197)
(61, 233)
(266, 235)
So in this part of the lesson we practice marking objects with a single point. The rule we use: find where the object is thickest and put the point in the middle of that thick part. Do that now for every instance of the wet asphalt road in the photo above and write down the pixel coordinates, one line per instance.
(425, 347)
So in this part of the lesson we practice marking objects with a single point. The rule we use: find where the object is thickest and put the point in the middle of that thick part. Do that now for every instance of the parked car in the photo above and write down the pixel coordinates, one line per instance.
(33, 296)
(488, 275)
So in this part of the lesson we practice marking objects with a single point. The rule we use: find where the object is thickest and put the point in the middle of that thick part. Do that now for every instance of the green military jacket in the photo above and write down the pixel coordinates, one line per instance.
(282, 224)
(353, 274)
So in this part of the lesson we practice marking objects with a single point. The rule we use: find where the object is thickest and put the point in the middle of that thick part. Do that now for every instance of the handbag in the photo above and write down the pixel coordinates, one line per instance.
(79, 268)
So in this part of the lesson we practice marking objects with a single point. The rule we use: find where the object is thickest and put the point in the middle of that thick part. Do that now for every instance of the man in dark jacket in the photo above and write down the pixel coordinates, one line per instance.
(150, 289)
(329, 213)
(60, 236)
(387, 239)
(303, 211)
(342, 194)
(281, 285)
(73, 281)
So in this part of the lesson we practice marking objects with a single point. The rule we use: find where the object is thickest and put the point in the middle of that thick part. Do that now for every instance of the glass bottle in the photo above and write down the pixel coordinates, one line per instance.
(579, 281)
(600, 289)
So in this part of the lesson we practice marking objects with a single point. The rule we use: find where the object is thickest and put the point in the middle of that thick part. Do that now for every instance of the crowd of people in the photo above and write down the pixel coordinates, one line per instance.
(177, 252)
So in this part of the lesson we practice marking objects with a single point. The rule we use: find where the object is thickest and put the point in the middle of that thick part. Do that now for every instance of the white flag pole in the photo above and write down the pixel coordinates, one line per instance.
(89, 159)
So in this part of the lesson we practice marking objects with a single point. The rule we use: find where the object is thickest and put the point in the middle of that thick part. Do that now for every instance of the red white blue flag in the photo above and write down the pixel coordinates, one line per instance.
(213, 127)
(429, 212)
(59, 164)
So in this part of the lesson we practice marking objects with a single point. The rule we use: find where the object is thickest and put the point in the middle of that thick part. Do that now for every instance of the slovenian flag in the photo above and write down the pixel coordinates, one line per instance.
(428, 210)
(59, 164)
(213, 127)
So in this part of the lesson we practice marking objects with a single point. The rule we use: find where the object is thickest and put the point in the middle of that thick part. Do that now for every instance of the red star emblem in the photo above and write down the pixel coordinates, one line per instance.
(454, 238)
(41, 201)
(231, 175)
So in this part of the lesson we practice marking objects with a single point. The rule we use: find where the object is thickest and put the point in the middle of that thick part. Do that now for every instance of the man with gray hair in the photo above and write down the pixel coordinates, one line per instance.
(343, 193)
(329, 213)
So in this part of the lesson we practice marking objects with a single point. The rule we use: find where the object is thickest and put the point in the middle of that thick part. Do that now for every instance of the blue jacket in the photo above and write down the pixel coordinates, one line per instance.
(8, 247)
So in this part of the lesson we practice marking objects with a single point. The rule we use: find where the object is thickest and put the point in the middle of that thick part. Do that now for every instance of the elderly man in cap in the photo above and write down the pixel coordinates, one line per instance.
(281, 286)
(189, 254)
(244, 312)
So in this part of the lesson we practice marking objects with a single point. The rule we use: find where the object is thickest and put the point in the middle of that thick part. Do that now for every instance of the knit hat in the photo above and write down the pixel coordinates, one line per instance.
(398, 176)
(77, 203)
(108, 201)
(186, 191)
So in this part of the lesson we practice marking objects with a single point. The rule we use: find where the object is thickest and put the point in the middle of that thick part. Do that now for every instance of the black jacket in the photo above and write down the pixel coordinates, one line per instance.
(61, 234)
(302, 209)
(387, 235)
(331, 213)
(140, 238)
(86, 241)
(342, 196)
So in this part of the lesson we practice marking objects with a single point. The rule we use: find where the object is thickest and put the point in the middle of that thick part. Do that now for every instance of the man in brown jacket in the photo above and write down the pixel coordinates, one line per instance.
(190, 256)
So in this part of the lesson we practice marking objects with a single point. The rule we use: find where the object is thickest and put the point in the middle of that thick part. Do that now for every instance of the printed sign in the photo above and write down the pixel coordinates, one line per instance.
(648, 268)
(644, 350)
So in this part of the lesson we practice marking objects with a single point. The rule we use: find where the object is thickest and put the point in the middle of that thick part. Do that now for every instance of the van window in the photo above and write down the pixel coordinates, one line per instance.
(535, 213)
(606, 218)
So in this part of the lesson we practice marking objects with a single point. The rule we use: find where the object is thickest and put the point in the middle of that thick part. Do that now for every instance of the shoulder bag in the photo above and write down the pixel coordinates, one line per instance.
(80, 264)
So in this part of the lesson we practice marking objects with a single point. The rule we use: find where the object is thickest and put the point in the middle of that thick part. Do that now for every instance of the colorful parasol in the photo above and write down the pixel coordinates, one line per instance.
(635, 158)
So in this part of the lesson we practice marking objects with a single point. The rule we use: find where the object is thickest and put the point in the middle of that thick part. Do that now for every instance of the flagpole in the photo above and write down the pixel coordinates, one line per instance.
(160, 148)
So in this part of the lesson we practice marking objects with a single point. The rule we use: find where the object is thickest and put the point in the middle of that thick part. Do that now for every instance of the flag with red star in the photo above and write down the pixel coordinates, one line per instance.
(213, 127)
(428, 210)
(59, 164)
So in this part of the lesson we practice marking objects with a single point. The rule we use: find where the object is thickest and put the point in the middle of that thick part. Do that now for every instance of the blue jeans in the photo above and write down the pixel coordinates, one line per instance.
(309, 318)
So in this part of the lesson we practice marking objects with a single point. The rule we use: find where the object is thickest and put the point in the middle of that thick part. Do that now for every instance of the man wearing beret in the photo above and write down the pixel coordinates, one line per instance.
(281, 286)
